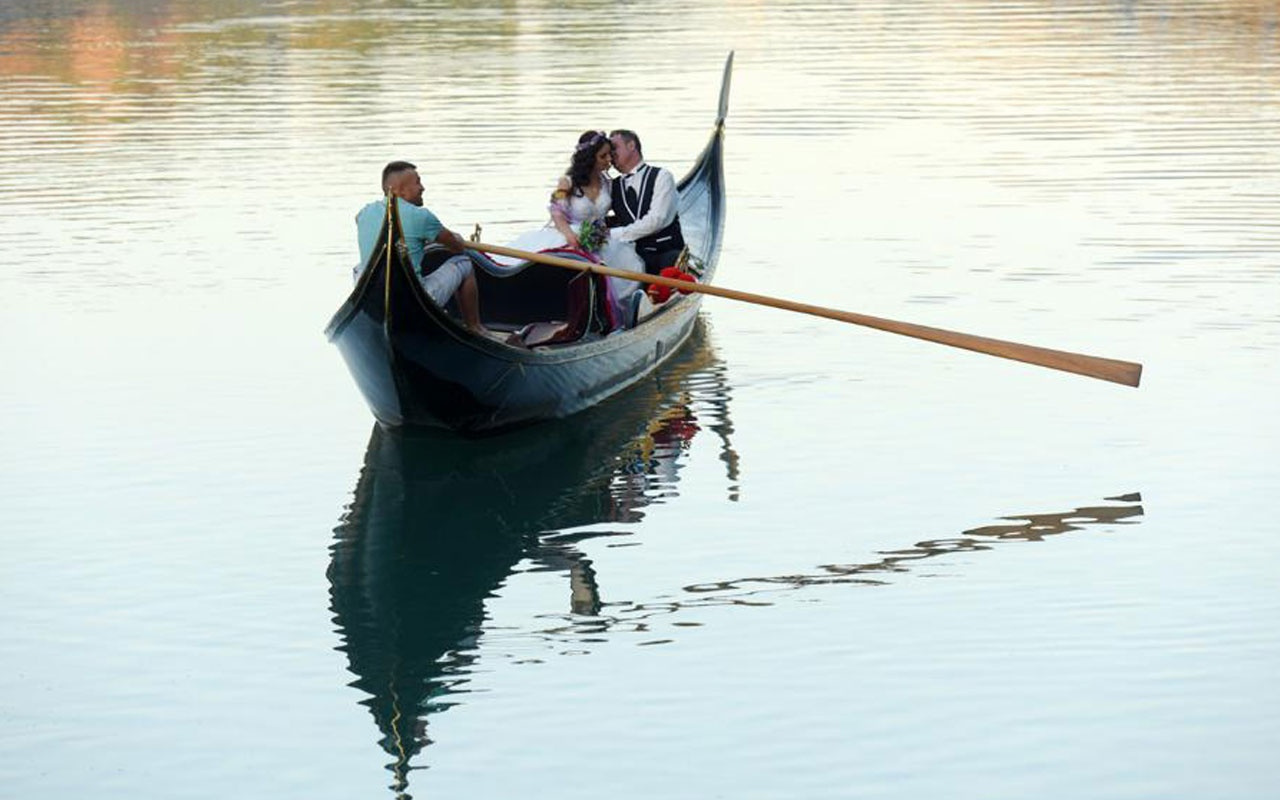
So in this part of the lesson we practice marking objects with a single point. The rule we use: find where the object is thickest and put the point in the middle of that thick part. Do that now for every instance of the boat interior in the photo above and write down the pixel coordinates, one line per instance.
(542, 306)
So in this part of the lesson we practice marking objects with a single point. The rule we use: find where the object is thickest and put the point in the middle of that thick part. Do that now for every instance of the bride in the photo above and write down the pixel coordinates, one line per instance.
(578, 207)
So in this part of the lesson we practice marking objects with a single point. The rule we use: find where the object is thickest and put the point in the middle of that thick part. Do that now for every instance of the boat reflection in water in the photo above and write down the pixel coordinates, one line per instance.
(438, 523)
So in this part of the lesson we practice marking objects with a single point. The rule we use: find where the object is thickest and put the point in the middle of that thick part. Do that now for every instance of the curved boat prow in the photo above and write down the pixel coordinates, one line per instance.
(724, 91)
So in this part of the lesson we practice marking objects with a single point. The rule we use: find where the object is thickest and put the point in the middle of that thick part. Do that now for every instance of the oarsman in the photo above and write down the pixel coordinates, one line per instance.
(420, 226)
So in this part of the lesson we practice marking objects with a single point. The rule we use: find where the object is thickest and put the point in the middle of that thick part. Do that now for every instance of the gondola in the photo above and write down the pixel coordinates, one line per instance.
(418, 366)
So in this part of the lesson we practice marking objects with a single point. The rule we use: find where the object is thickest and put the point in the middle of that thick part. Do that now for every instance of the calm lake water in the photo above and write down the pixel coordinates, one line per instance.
(805, 560)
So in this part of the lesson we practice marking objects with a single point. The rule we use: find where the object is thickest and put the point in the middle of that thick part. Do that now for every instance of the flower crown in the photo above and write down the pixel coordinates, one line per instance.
(594, 141)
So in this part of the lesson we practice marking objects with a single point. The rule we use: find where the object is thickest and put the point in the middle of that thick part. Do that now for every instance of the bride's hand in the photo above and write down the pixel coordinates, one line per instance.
(571, 240)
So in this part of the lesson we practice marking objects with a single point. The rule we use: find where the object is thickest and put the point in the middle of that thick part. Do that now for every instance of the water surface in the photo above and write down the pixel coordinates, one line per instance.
(804, 560)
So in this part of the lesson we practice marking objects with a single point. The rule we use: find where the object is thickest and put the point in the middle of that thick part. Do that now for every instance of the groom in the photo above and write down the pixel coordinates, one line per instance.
(644, 205)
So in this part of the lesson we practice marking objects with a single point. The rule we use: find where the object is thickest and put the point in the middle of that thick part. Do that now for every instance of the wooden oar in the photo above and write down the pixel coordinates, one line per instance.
(1106, 369)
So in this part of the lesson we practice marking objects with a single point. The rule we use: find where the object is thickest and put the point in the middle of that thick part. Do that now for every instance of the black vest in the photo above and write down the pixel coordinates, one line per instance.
(627, 211)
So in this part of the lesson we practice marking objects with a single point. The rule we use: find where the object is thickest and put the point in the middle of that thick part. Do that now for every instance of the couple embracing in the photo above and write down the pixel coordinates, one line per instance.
(629, 222)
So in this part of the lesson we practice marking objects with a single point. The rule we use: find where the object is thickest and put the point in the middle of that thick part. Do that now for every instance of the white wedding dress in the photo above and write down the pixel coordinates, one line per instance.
(614, 253)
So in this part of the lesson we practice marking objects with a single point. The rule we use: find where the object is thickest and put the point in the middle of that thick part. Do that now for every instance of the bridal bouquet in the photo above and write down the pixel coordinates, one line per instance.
(592, 235)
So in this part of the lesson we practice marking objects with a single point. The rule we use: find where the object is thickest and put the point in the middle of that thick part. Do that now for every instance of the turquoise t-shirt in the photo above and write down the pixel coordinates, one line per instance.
(420, 226)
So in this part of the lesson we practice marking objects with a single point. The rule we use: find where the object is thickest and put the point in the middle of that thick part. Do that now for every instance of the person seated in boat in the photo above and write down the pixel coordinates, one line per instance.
(644, 205)
(420, 226)
(577, 211)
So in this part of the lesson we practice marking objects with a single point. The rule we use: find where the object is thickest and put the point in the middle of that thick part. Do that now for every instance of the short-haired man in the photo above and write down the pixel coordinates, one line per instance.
(644, 204)
(420, 226)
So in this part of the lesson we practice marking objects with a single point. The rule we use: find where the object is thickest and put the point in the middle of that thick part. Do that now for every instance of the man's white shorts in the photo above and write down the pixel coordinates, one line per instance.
(445, 280)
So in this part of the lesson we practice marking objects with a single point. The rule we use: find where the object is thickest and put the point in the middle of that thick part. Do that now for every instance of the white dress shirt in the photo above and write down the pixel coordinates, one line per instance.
(662, 210)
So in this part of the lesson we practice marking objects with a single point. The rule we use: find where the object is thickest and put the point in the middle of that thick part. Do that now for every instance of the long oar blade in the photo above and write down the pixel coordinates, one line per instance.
(1127, 373)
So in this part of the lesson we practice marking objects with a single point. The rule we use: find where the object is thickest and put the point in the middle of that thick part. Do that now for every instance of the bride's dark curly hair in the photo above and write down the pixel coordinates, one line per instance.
(584, 159)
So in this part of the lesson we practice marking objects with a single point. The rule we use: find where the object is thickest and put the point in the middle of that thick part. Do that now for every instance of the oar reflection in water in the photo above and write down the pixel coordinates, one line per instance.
(438, 524)
(639, 617)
